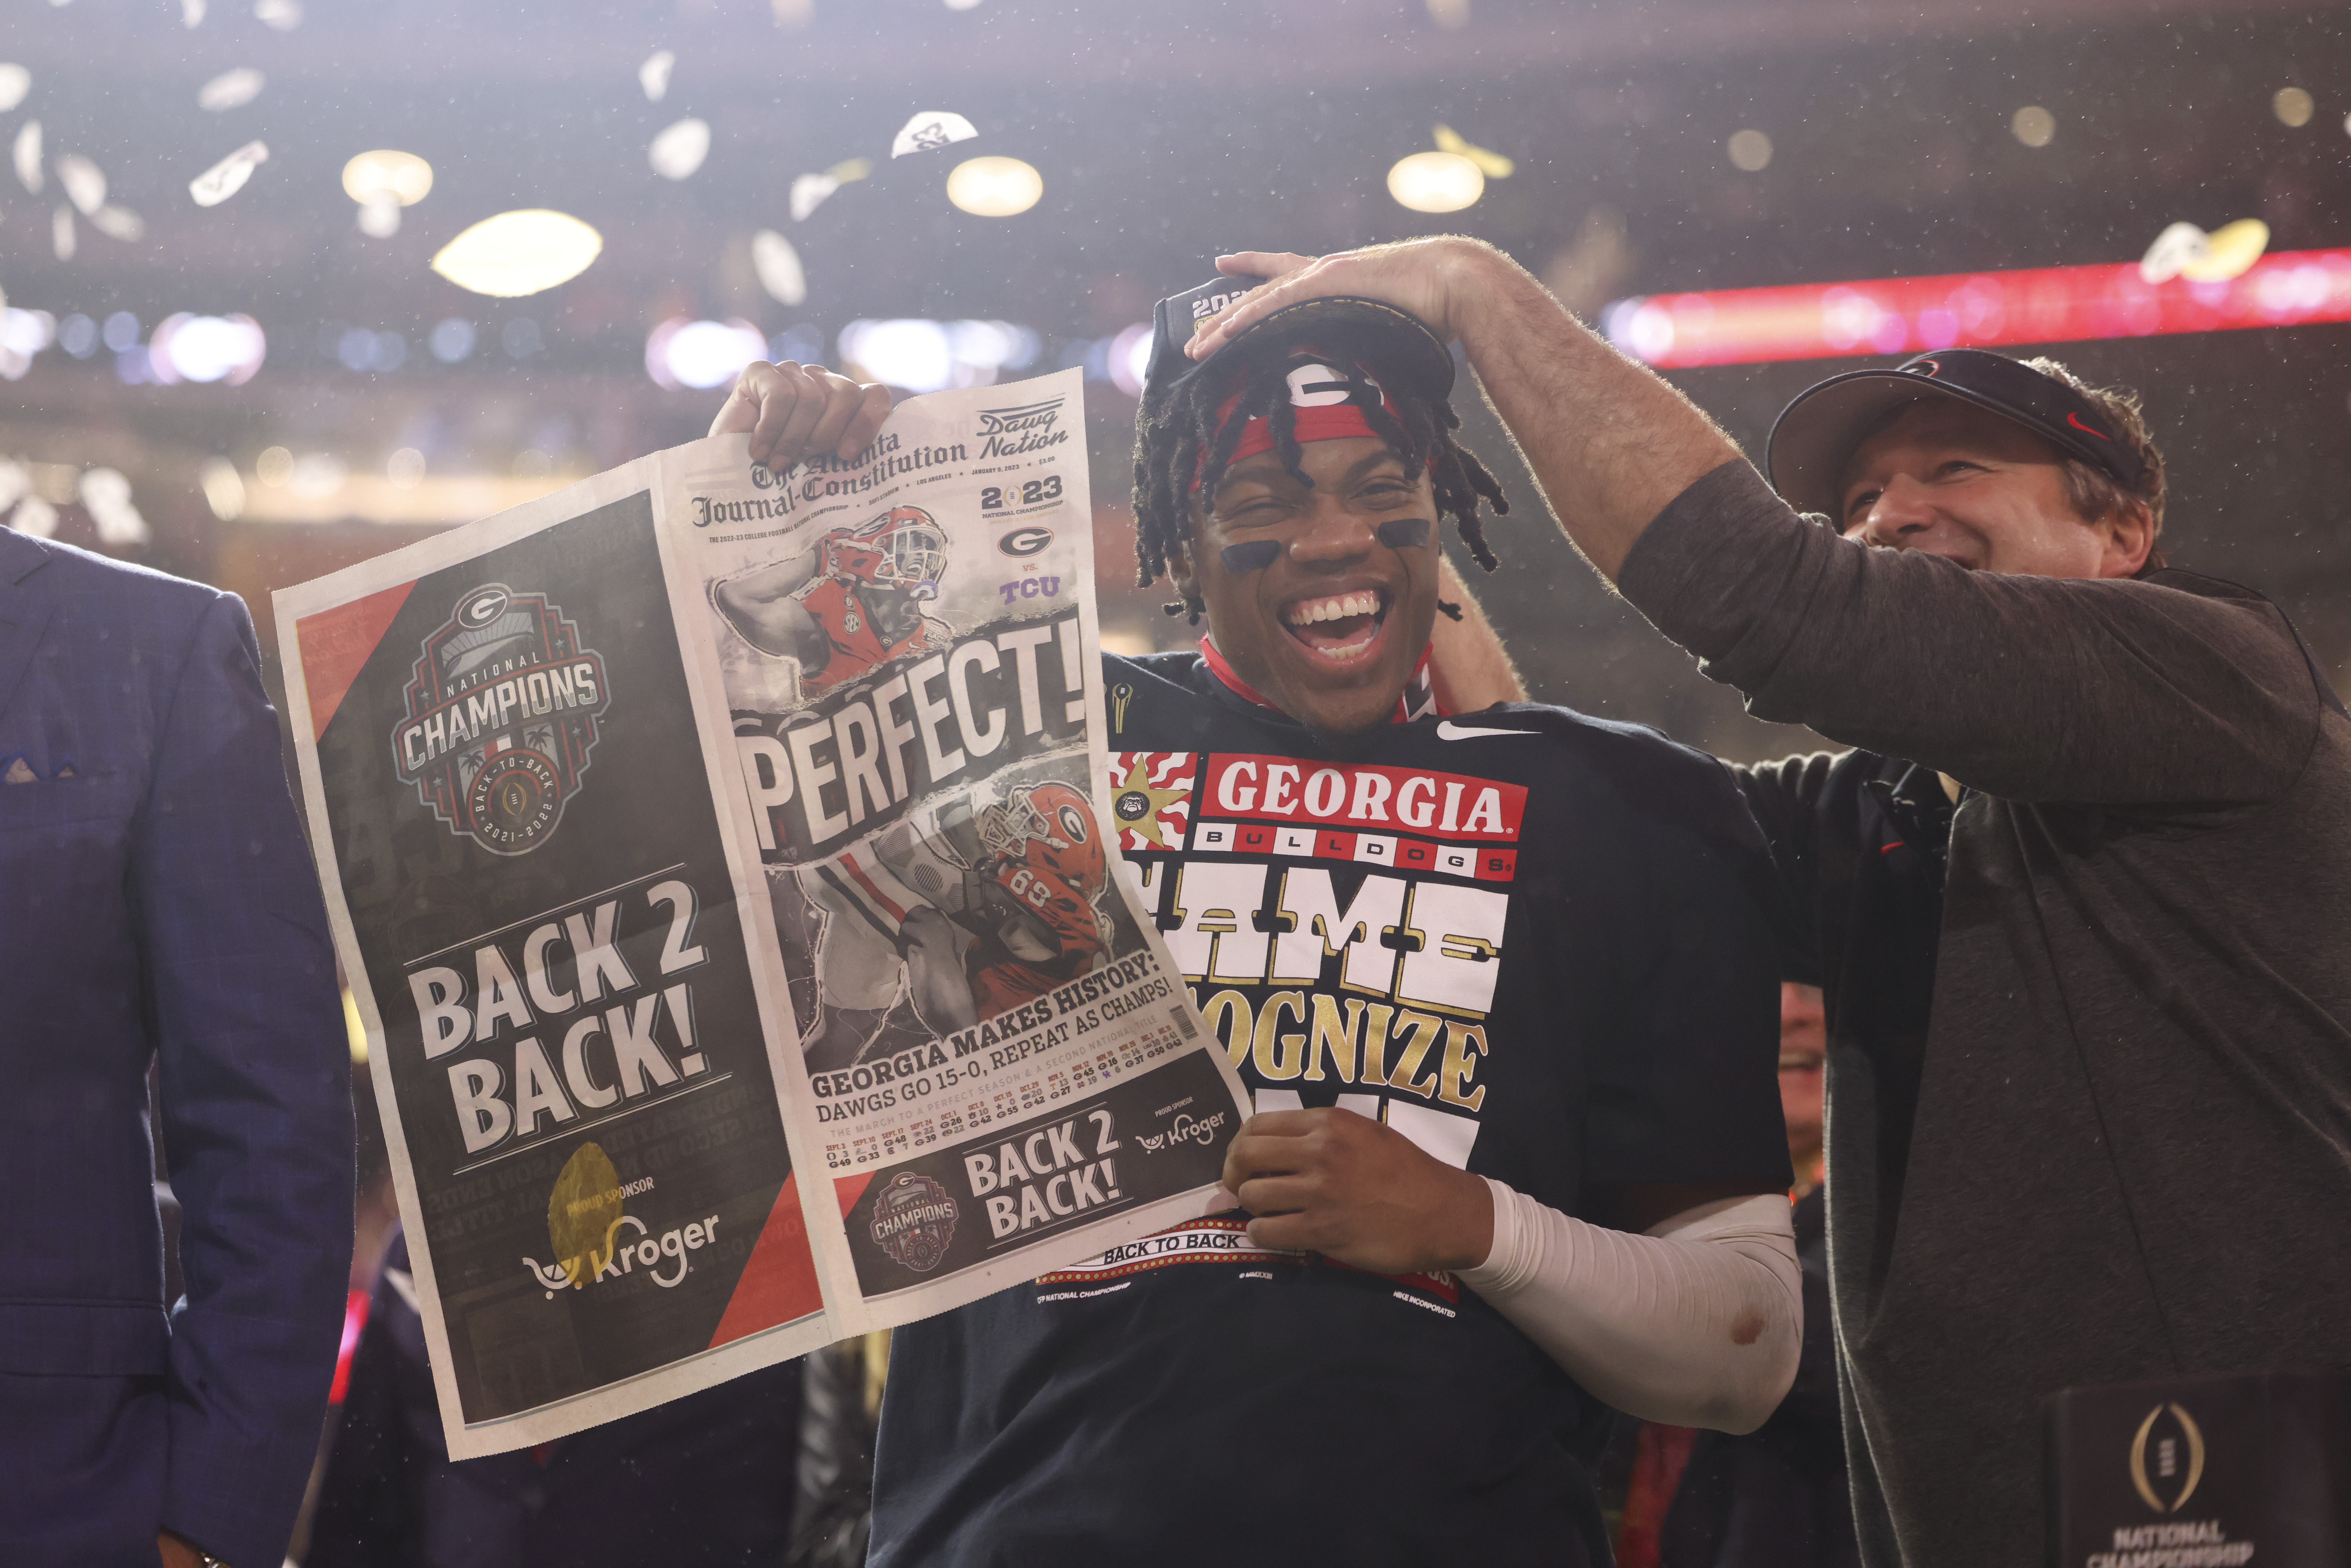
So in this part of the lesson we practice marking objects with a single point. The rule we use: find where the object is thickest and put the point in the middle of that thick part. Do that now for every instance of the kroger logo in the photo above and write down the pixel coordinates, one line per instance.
(630, 1247)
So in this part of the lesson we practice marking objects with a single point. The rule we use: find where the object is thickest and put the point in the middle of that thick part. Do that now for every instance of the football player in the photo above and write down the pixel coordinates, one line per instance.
(852, 604)
(969, 914)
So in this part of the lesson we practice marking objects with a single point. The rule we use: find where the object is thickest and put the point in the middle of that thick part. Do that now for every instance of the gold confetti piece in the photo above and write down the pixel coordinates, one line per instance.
(15, 81)
(2183, 250)
(2230, 251)
(653, 74)
(27, 153)
(230, 90)
(227, 177)
(779, 266)
(85, 183)
(850, 169)
(930, 130)
(1491, 164)
(582, 1211)
(679, 150)
(518, 252)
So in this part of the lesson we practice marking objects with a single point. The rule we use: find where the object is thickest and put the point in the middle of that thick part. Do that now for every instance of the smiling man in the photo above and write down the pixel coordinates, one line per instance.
(2081, 898)
(1503, 992)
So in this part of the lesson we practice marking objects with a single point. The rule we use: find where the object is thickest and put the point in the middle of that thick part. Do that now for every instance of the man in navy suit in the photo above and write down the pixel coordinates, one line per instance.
(157, 905)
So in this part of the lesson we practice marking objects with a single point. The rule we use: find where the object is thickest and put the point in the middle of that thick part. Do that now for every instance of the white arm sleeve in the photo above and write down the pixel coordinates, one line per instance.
(1696, 1323)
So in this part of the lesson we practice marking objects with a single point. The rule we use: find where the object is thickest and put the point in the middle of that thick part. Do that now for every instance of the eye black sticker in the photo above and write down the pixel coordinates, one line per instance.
(1403, 533)
(1250, 555)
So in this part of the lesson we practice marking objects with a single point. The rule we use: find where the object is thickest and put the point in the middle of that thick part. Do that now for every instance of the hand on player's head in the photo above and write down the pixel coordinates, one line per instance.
(795, 411)
(1418, 275)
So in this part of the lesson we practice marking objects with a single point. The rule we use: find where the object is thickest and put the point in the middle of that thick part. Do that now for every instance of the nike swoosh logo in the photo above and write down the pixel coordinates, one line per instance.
(1448, 730)
(2075, 421)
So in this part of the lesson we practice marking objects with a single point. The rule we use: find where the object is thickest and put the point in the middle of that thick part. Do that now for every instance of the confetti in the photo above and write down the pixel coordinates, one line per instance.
(34, 517)
(808, 192)
(85, 183)
(1491, 164)
(2230, 251)
(518, 252)
(283, 14)
(227, 177)
(62, 234)
(107, 494)
(779, 266)
(929, 131)
(15, 81)
(679, 150)
(192, 12)
(2183, 250)
(230, 90)
(653, 74)
(28, 155)
(119, 223)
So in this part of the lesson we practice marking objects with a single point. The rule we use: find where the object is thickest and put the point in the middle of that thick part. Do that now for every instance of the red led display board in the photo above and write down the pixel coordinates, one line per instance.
(1979, 310)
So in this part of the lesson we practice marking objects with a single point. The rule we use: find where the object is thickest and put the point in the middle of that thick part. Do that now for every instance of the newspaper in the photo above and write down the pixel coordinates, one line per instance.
(718, 860)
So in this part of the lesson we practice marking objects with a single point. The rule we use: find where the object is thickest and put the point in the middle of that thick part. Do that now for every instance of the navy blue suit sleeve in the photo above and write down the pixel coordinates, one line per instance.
(255, 1099)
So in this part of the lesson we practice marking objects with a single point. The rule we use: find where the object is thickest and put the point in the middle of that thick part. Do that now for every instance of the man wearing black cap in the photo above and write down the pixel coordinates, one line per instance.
(2119, 1145)
(1503, 993)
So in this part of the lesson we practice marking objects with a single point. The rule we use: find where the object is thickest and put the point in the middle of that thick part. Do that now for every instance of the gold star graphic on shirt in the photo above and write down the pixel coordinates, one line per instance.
(1137, 805)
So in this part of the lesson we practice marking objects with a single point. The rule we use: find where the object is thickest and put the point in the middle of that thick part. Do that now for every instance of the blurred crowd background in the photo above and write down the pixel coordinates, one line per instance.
(261, 389)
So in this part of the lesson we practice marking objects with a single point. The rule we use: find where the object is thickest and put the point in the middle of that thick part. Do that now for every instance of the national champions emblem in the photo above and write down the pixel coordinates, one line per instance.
(502, 712)
(914, 1221)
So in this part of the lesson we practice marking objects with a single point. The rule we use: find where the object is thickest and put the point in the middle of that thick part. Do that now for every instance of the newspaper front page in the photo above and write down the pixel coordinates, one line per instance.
(718, 859)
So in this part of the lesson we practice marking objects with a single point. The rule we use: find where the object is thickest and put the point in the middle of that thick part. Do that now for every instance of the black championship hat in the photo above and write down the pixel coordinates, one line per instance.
(1398, 342)
(1814, 436)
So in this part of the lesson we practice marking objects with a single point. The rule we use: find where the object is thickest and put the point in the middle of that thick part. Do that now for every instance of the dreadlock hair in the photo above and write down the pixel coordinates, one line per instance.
(1177, 434)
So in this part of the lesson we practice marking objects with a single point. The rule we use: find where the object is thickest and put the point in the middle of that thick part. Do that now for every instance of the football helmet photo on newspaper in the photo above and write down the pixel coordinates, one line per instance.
(963, 914)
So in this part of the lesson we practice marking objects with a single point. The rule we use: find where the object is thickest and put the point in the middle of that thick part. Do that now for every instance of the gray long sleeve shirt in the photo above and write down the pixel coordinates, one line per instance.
(2131, 1153)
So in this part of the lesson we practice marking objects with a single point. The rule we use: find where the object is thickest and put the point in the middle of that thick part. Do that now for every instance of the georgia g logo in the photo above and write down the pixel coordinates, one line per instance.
(502, 712)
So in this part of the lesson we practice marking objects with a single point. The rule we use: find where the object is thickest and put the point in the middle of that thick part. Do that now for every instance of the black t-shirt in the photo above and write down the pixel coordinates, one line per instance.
(1535, 943)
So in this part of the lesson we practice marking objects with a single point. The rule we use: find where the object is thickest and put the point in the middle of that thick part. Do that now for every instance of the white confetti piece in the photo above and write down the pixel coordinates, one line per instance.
(28, 155)
(2173, 248)
(808, 192)
(192, 12)
(15, 81)
(230, 90)
(779, 266)
(283, 14)
(679, 150)
(119, 223)
(106, 494)
(653, 74)
(84, 181)
(227, 177)
(62, 234)
(518, 252)
(34, 517)
(930, 129)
